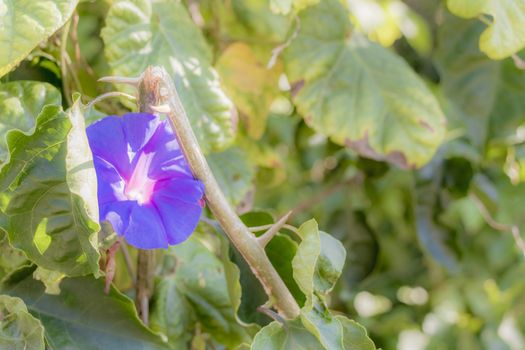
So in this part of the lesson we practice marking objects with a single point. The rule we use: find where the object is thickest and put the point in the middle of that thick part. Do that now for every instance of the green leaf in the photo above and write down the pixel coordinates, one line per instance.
(324, 326)
(350, 90)
(140, 33)
(27, 23)
(20, 104)
(171, 313)
(354, 335)
(83, 317)
(49, 193)
(18, 329)
(508, 114)
(252, 293)
(304, 261)
(316, 331)
(234, 173)
(251, 85)
(10, 258)
(255, 19)
(469, 79)
(505, 34)
(200, 277)
(293, 336)
(329, 264)
(318, 262)
(281, 251)
(235, 275)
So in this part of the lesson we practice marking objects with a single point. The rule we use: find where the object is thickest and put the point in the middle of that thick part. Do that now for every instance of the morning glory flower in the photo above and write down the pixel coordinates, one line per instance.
(145, 187)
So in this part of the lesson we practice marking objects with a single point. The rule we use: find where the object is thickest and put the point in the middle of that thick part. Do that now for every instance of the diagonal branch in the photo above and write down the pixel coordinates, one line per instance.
(498, 226)
(157, 89)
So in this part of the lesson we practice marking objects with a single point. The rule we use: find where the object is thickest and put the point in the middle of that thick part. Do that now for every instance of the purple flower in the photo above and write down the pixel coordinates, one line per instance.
(145, 187)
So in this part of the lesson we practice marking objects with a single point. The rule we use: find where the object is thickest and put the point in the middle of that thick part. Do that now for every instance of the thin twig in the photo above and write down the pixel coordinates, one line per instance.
(485, 20)
(266, 227)
(63, 63)
(108, 95)
(273, 229)
(158, 87)
(277, 50)
(518, 61)
(121, 80)
(275, 316)
(498, 226)
(144, 285)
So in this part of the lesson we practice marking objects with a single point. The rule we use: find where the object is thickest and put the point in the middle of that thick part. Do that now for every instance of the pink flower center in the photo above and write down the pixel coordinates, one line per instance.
(139, 187)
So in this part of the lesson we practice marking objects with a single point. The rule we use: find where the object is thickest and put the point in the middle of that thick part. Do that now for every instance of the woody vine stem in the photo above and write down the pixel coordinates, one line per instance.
(157, 94)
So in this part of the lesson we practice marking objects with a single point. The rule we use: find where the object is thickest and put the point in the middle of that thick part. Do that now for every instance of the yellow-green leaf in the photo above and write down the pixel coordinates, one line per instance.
(359, 93)
(251, 85)
(20, 104)
(26, 23)
(18, 329)
(506, 33)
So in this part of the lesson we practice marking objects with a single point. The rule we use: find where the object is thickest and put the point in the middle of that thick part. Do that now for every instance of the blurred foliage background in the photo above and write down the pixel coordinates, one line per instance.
(398, 125)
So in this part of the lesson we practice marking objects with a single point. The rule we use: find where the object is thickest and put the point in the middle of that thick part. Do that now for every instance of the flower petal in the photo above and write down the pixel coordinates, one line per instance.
(138, 129)
(109, 182)
(186, 190)
(145, 229)
(118, 214)
(179, 217)
(108, 141)
(168, 161)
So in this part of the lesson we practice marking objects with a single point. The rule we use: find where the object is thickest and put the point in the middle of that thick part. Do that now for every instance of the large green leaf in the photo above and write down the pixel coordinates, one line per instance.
(506, 33)
(20, 104)
(171, 314)
(25, 23)
(234, 173)
(359, 93)
(199, 276)
(83, 317)
(49, 193)
(139, 33)
(18, 329)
